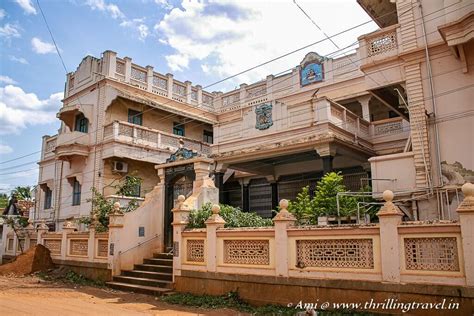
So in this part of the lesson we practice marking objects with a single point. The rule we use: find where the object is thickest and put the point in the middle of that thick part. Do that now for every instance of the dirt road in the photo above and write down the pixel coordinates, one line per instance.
(31, 296)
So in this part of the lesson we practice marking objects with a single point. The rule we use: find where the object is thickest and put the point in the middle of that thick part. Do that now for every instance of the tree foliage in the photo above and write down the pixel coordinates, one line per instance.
(22, 193)
(324, 203)
(233, 216)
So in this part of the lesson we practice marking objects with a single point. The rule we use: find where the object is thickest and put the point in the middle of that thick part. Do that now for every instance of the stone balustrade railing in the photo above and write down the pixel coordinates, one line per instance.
(86, 246)
(391, 251)
(127, 132)
(147, 79)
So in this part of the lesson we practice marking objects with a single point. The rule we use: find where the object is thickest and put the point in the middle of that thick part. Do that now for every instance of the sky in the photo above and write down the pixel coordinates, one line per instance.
(199, 41)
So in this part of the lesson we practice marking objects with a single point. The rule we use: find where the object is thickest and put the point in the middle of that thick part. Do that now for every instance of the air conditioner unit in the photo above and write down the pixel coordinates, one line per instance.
(120, 166)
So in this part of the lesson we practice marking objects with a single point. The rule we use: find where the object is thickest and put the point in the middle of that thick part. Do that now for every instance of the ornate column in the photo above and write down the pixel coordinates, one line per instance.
(203, 184)
(364, 103)
(213, 223)
(466, 219)
(282, 220)
(390, 217)
(115, 226)
(180, 220)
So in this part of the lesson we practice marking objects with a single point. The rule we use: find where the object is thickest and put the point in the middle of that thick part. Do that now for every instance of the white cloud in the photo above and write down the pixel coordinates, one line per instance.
(19, 109)
(109, 8)
(9, 31)
(27, 6)
(41, 47)
(137, 25)
(228, 37)
(2, 14)
(7, 80)
(20, 60)
(5, 149)
(164, 4)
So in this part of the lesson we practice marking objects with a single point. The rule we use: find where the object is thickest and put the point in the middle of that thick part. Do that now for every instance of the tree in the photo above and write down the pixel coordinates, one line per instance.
(302, 208)
(22, 193)
(3, 201)
(325, 198)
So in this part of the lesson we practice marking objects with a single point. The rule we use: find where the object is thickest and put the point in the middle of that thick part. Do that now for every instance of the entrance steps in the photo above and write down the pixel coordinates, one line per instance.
(153, 277)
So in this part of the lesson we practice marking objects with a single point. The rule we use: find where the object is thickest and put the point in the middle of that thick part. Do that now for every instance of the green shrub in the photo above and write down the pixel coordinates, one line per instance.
(233, 216)
(302, 207)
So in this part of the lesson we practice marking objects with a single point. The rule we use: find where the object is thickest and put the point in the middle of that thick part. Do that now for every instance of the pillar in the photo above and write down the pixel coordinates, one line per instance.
(68, 227)
(364, 103)
(91, 241)
(327, 164)
(274, 186)
(282, 221)
(188, 91)
(128, 68)
(115, 227)
(110, 61)
(149, 78)
(170, 85)
(245, 196)
(213, 223)
(327, 153)
(389, 217)
(219, 183)
(199, 95)
(466, 220)
(180, 220)
(203, 184)
(42, 229)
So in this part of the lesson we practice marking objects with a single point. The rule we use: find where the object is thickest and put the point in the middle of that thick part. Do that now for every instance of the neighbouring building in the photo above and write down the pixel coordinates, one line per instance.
(396, 114)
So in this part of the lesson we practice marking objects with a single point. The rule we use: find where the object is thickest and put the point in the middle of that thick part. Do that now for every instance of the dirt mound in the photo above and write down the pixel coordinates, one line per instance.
(35, 259)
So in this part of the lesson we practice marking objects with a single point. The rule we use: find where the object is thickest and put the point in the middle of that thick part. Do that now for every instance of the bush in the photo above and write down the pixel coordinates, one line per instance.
(302, 208)
(233, 216)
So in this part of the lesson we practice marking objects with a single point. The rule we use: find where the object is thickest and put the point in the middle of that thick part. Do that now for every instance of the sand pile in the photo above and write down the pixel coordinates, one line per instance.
(35, 259)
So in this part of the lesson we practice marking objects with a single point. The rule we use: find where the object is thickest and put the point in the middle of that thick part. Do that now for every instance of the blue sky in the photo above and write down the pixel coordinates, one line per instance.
(200, 41)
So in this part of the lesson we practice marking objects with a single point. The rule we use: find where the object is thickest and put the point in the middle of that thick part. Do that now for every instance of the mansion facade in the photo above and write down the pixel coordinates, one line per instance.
(397, 114)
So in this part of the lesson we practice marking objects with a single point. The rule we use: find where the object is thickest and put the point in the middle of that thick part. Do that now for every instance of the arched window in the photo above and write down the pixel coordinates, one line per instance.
(81, 123)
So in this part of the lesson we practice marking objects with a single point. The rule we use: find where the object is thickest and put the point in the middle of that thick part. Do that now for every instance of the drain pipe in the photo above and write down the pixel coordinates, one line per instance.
(433, 99)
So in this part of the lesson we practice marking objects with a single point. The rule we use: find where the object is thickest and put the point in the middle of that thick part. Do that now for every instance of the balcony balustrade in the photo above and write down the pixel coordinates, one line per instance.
(379, 45)
(140, 135)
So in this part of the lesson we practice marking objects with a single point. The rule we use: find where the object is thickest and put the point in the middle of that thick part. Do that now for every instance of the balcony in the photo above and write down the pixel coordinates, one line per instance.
(49, 146)
(71, 144)
(306, 126)
(379, 45)
(144, 139)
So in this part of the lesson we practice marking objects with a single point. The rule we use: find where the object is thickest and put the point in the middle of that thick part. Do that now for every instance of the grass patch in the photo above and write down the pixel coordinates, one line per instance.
(68, 277)
(233, 301)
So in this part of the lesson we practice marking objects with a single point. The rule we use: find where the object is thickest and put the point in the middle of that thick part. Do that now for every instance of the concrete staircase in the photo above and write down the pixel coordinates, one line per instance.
(153, 277)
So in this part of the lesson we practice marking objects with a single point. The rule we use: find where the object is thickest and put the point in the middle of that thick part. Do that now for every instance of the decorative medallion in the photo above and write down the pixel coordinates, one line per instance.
(264, 116)
(182, 153)
(311, 69)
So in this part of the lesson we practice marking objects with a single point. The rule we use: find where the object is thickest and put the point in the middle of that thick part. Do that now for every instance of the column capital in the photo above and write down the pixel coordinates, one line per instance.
(324, 150)
(215, 219)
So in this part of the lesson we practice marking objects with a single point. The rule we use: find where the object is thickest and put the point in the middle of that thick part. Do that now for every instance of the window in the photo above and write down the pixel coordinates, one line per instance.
(208, 137)
(178, 129)
(81, 124)
(135, 117)
(76, 193)
(48, 196)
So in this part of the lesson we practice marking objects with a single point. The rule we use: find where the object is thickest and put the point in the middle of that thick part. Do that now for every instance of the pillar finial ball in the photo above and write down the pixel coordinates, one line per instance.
(283, 204)
(117, 205)
(181, 198)
(388, 195)
(216, 209)
(468, 189)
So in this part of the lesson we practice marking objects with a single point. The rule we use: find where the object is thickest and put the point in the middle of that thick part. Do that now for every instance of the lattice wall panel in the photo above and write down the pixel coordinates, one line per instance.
(102, 247)
(54, 245)
(247, 252)
(195, 250)
(335, 253)
(382, 44)
(79, 247)
(435, 254)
